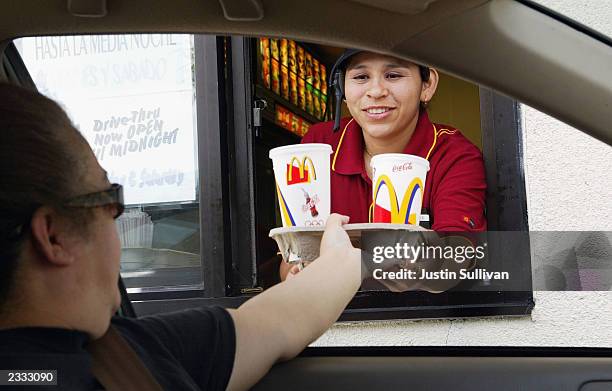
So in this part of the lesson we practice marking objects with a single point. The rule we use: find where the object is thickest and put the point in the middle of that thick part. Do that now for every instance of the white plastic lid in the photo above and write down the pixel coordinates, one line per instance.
(300, 148)
(403, 156)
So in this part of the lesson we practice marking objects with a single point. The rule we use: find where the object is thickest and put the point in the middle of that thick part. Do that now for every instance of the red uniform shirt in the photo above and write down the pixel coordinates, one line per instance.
(455, 186)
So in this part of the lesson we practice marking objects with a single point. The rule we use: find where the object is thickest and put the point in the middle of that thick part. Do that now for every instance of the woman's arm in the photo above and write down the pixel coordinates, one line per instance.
(279, 323)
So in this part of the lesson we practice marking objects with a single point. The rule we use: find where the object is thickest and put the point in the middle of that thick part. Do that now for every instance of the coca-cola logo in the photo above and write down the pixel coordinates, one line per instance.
(402, 167)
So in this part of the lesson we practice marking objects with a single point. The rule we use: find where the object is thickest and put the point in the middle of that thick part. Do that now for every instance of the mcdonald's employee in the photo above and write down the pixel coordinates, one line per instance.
(387, 98)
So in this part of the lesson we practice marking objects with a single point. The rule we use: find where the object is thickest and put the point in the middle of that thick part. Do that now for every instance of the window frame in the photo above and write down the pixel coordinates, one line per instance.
(212, 163)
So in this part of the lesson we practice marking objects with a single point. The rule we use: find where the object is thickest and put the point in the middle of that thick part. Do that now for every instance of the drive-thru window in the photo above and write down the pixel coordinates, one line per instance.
(186, 122)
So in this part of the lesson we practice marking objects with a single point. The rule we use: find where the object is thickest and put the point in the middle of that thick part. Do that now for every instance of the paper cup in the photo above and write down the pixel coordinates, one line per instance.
(397, 188)
(302, 183)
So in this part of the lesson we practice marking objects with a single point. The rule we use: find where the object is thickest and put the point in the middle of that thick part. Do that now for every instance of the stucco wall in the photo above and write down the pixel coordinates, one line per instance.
(569, 187)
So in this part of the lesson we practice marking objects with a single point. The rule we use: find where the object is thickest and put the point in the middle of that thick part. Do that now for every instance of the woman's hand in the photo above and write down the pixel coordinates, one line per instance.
(335, 237)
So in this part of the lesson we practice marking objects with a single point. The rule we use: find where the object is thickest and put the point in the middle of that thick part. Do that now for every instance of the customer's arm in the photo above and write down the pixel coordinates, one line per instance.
(279, 323)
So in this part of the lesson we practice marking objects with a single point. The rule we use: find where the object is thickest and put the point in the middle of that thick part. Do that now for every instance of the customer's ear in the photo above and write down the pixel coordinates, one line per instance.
(428, 88)
(51, 237)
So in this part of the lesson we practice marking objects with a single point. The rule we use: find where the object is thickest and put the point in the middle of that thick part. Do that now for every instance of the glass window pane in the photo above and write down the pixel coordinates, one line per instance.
(133, 98)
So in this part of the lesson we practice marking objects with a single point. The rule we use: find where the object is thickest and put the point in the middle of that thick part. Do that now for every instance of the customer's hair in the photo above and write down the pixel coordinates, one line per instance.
(40, 164)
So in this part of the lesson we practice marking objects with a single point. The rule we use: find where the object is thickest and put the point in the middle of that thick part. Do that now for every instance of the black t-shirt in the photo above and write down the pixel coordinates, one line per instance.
(187, 350)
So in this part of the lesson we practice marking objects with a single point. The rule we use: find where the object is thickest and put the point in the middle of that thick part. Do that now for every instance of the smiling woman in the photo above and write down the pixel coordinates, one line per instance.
(385, 96)
(387, 99)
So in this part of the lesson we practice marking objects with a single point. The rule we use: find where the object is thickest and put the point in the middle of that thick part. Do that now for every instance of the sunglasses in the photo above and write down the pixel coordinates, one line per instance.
(112, 196)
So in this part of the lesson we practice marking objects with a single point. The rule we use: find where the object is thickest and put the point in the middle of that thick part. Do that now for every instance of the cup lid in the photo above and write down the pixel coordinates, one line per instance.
(404, 156)
(300, 148)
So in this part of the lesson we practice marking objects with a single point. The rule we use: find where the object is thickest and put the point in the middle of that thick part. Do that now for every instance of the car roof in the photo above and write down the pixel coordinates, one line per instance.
(507, 45)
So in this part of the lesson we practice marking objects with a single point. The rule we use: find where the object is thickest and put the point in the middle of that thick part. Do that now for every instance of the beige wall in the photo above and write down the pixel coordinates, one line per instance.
(457, 103)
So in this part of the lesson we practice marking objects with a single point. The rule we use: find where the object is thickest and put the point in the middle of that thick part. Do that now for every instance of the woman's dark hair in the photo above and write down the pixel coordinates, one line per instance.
(425, 73)
(40, 164)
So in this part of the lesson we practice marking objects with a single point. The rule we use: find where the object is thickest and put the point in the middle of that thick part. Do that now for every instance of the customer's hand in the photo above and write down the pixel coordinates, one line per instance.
(334, 238)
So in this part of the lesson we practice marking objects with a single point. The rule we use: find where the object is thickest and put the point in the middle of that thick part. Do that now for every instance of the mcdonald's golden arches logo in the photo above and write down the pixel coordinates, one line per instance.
(397, 214)
(300, 173)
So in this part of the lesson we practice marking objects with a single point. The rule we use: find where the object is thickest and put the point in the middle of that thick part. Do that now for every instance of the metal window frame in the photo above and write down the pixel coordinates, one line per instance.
(242, 160)
(226, 175)
(214, 207)
(212, 160)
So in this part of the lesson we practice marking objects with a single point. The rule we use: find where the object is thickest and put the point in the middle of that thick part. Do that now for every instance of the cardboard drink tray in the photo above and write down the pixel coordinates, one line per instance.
(301, 244)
